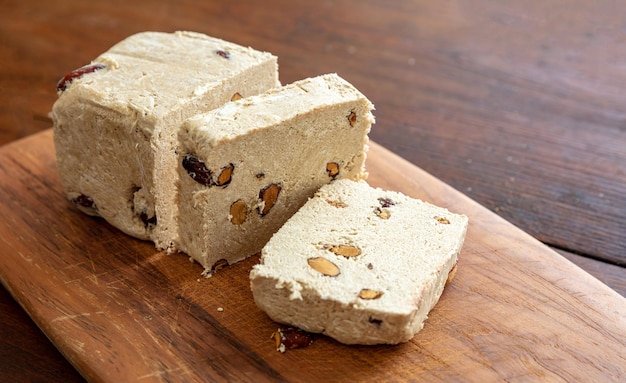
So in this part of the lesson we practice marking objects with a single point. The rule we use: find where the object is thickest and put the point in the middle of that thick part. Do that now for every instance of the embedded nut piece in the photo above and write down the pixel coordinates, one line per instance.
(451, 274)
(238, 212)
(236, 97)
(332, 168)
(352, 118)
(225, 175)
(370, 294)
(382, 213)
(268, 195)
(289, 338)
(345, 250)
(374, 298)
(324, 266)
(443, 220)
(197, 170)
(336, 203)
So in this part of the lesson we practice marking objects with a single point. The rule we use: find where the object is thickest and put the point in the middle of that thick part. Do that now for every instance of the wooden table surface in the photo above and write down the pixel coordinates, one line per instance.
(519, 105)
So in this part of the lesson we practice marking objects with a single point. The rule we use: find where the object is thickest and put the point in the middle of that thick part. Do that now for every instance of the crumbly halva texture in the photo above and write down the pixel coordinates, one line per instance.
(359, 264)
(115, 122)
(247, 166)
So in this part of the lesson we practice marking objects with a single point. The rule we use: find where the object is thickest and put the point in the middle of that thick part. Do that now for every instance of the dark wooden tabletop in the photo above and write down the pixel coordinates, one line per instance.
(519, 105)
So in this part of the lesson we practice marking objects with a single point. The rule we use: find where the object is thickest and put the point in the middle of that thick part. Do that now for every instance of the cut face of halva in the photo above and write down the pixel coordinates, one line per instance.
(247, 166)
(359, 264)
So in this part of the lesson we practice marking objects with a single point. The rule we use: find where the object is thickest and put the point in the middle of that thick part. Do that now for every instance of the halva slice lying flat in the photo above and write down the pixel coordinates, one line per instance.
(115, 122)
(247, 166)
(359, 264)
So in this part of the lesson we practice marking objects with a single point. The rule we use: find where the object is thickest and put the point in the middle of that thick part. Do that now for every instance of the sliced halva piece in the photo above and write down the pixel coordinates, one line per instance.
(247, 166)
(115, 122)
(359, 264)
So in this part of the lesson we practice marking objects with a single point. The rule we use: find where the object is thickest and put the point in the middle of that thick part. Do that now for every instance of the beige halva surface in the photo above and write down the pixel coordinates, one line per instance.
(189, 141)
(115, 129)
(273, 152)
(359, 264)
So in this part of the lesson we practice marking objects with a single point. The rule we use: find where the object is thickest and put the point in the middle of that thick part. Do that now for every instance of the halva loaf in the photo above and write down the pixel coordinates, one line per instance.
(115, 122)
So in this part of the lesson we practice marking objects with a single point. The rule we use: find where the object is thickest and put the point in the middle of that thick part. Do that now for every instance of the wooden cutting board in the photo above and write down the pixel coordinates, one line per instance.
(122, 312)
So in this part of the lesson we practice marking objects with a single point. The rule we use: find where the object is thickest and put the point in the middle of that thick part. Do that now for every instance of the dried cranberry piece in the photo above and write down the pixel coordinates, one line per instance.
(224, 54)
(147, 221)
(289, 338)
(386, 202)
(376, 322)
(84, 201)
(197, 170)
(77, 73)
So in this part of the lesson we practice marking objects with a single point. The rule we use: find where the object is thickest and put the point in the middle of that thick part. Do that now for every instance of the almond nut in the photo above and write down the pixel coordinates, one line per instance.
(332, 168)
(382, 213)
(336, 203)
(226, 175)
(324, 266)
(236, 97)
(238, 212)
(442, 220)
(352, 118)
(370, 294)
(451, 274)
(345, 250)
(268, 195)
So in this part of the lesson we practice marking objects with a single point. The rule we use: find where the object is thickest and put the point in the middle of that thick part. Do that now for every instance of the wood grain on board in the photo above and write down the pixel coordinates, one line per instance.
(120, 311)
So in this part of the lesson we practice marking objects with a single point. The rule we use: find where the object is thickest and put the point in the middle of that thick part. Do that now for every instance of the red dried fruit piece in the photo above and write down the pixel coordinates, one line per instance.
(288, 338)
(77, 73)
(376, 322)
(197, 170)
(224, 54)
(84, 201)
(386, 202)
(147, 221)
